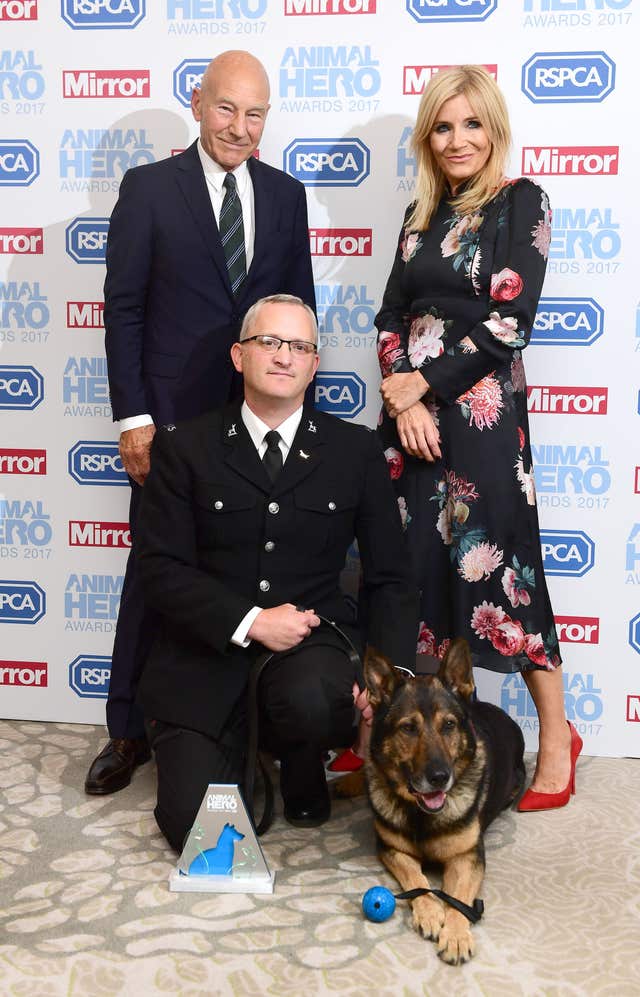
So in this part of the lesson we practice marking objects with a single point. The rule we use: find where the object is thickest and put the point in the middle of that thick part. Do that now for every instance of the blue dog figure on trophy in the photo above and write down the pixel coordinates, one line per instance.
(217, 861)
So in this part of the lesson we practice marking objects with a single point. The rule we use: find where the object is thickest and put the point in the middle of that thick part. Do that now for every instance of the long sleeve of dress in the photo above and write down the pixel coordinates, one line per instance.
(507, 275)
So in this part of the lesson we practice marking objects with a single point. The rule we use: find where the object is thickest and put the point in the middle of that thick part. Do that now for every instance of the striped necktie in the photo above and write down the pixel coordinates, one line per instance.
(232, 234)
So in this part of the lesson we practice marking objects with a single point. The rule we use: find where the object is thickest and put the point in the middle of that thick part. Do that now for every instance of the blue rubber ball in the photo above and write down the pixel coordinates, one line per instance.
(378, 904)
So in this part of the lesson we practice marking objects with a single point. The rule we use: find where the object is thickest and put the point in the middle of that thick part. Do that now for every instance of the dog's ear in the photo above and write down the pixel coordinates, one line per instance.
(456, 672)
(381, 677)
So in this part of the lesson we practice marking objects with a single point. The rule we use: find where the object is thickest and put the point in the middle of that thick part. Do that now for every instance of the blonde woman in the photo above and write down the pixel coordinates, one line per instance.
(457, 312)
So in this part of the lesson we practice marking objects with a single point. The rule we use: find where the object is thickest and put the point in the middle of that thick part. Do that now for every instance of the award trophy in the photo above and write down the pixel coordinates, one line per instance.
(221, 853)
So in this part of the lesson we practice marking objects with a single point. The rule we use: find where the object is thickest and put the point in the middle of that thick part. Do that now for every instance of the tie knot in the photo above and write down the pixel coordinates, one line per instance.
(272, 439)
(230, 183)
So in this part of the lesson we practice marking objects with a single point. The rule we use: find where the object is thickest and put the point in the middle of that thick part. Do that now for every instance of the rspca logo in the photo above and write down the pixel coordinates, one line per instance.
(24, 524)
(634, 633)
(18, 10)
(415, 78)
(20, 388)
(22, 306)
(293, 8)
(584, 234)
(23, 673)
(112, 84)
(567, 322)
(187, 76)
(96, 462)
(342, 394)
(577, 469)
(566, 78)
(105, 14)
(19, 163)
(327, 162)
(431, 11)
(23, 461)
(21, 76)
(86, 240)
(570, 553)
(322, 71)
(21, 602)
(89, 676)
(570, 160)
(21, 241)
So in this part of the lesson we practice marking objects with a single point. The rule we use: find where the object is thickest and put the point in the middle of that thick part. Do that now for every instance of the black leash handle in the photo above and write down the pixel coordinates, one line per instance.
(472, 914)
(253, 756)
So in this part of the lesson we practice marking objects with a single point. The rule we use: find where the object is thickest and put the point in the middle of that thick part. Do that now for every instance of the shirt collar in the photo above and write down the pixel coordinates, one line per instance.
(257, 428)
(215, 174)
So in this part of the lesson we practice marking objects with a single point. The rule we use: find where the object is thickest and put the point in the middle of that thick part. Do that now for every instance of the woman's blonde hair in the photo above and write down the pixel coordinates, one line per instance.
(489, 105)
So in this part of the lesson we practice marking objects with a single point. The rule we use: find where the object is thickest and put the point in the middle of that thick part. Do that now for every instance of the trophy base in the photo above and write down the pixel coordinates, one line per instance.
(181, 883)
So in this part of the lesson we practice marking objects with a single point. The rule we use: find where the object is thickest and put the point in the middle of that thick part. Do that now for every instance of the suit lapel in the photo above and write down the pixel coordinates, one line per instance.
(192, 183)
(263, 208)
(239, 452)
(305, 456)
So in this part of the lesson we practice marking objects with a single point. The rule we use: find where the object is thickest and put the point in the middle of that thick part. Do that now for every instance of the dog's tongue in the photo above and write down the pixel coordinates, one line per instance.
(433, 801)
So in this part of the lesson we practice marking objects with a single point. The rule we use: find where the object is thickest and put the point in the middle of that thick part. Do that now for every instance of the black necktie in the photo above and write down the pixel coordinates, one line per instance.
(272, 457)
(232, 233)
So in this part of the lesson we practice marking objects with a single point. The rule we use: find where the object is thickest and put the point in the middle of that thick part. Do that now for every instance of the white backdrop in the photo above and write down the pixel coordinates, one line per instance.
(90, 87)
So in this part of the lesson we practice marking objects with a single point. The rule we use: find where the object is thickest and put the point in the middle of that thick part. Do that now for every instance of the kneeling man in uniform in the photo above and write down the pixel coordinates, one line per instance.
(247, 516)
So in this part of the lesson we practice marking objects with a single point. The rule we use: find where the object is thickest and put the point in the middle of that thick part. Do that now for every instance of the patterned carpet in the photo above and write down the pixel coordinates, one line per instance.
(85, 908)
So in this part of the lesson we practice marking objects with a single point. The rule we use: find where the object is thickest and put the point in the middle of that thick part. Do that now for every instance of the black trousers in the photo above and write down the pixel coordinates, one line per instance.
(135, 629)
(305, 706)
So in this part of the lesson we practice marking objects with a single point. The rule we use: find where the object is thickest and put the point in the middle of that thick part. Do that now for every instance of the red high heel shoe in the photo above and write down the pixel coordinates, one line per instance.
(552, 801)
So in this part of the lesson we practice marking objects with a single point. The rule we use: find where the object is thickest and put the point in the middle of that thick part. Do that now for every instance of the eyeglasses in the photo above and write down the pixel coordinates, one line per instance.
(271, 344)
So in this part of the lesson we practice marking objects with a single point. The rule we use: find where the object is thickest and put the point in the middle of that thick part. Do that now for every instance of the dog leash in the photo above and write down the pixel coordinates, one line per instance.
(472, 914)
(253, 755)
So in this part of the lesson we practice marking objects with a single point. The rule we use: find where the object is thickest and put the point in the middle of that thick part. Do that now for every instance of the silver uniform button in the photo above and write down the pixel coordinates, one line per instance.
(265, 585)
(273, 508)
(332, 506)
(218, 505)
(269, 546)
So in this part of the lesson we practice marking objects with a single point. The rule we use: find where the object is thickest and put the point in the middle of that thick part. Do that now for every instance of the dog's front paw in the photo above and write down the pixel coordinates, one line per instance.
(456, 944)
(428, 916)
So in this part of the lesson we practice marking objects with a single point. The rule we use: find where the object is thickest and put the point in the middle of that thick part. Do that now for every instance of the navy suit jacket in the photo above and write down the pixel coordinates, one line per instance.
(170, 315)
(216, 537)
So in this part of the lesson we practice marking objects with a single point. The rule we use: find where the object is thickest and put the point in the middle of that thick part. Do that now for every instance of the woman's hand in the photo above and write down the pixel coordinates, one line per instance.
(401, 391)
(418, 432)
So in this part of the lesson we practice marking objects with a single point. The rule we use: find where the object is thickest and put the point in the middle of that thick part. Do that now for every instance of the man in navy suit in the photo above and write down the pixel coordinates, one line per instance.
(194, 241)
(246, 520)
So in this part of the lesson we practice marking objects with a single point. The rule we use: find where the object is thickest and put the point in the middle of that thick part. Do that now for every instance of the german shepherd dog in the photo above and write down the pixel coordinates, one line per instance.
(441, 766)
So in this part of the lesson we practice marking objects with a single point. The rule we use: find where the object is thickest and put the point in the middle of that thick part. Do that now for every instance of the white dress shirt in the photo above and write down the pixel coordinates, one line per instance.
(214, 175)
(257, 430)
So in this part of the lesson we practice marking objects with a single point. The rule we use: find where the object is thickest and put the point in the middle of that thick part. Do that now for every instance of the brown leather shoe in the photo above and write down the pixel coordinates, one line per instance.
(114, 766)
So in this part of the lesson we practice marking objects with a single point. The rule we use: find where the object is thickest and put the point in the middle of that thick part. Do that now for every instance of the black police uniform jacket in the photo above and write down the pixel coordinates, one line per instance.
(216, 538)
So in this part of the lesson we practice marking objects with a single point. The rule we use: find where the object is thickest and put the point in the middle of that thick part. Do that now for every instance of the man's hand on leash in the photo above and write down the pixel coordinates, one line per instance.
(282, 627)
(135, 451)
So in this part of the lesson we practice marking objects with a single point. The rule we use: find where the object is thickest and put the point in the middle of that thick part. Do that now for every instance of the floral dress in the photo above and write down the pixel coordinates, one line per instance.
(459, 305)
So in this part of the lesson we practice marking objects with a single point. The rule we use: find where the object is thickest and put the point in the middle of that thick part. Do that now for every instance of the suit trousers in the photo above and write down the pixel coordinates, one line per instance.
(135, 630)
(305, 706)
